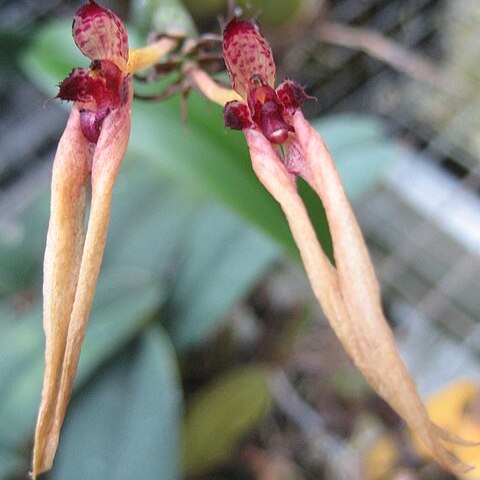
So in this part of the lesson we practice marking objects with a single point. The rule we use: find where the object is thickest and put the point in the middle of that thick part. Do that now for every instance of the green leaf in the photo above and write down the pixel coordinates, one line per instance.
(21, 258)
(12, 41)
(18, 267)
(269, 12)
(163, 16)
(11, 463)
(125, 300)
(21, 367)
(125, 423)
(346, 130)
(221, 258)
(221, 414)
(124, 303)
(149, 215)
(274, 12)
(206, 161)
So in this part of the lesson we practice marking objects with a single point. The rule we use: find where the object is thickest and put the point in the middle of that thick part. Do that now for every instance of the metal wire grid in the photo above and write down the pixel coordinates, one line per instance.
(354, 81)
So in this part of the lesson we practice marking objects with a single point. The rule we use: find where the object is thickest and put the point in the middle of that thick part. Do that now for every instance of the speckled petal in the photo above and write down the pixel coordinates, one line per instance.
(102, 86)
(77, 86)
(237, 116)
(246, 53)
(100, 34)
(292, 96)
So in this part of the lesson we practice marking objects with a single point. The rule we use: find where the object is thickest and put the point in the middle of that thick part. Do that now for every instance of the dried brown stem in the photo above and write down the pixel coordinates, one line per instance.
(378, 46)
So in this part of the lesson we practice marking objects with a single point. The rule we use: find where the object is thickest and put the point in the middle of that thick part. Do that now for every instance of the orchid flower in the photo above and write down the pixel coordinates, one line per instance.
(282, 147)
(90, 151)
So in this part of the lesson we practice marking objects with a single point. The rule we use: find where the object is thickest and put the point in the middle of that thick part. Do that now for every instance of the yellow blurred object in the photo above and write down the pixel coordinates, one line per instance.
(456, 408)
(381, 458)
(451, 409)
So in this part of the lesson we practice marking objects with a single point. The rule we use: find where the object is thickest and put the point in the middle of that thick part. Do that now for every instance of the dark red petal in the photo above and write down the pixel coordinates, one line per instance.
(76, 87)
(100, 34)
(91, 123)
(246, 53)
(266, 110)
(292, 96)
(271, 122)
(110, 94)
(102, 85)
(237, 116)
(125, 89)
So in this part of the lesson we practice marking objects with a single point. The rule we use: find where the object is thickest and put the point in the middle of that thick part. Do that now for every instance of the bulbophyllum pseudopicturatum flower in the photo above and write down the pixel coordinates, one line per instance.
(282, 147)
(86, 164)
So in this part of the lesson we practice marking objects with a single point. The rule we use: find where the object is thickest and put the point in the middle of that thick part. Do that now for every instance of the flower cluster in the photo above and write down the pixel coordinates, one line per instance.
(88, 156)
(251, 69)
(90, 153)
(347, 290)
(105, 86)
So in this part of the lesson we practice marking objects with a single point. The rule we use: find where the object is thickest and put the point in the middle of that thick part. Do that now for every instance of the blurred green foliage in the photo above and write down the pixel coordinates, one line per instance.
(220, 407)
(192, 232)
(268, 12)
(162, 16)
(138, 395)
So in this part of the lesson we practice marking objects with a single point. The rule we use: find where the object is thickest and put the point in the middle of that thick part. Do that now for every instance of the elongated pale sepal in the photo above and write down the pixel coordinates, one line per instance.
(71, 171)
(208, 87)
(370, 342)
(109, 152)
(140, 58)
(322, 275)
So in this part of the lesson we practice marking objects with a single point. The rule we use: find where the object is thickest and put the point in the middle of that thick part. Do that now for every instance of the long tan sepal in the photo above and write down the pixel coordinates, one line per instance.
(107, 158)
(71, 171)
(321, 273)
(371, 344)
(373, 351)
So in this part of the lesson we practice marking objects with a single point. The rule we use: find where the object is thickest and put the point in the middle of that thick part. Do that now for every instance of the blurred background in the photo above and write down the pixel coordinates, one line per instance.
(206, 356)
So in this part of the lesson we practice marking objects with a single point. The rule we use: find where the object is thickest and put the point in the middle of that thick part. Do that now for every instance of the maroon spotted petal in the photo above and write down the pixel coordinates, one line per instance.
(237, 116)
(102, 85)
(246, 53)
(100, 34)
(292, 96)
(77, 86)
